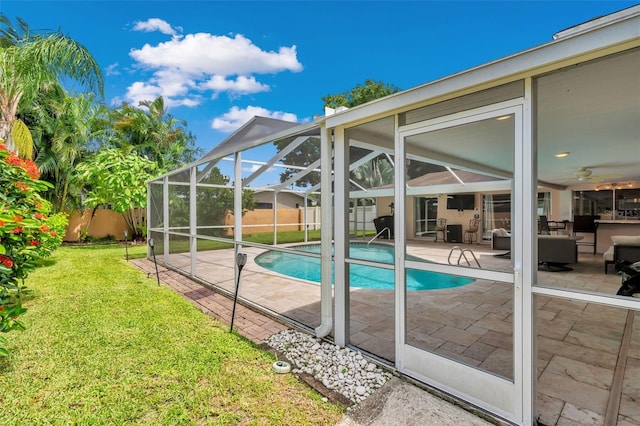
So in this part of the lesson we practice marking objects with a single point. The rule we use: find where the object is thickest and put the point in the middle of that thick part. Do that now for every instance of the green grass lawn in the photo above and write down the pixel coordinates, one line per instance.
(105, 345)
(180, 244)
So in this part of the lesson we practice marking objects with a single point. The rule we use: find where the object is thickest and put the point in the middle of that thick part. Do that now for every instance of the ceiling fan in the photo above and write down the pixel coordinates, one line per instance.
(585, 174)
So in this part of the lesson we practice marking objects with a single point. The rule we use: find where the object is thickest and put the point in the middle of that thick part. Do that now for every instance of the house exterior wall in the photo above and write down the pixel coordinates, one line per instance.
(453, 217)
(286, 200)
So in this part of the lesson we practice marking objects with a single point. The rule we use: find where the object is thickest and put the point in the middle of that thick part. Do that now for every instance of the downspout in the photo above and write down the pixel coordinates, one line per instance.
(326, 309)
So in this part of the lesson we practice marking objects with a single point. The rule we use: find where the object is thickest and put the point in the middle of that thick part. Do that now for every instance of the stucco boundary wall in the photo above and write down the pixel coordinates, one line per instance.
(261, 220)
(103, 223)
(107, 222)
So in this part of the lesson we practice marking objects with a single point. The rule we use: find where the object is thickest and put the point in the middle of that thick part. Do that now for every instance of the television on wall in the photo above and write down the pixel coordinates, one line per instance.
(461, 202)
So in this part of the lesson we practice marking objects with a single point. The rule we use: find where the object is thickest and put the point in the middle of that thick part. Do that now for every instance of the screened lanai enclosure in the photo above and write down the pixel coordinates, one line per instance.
(441, 230)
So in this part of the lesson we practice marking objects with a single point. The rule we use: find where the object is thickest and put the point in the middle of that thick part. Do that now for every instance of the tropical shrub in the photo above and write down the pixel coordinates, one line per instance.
(119, 179)
(27, 234)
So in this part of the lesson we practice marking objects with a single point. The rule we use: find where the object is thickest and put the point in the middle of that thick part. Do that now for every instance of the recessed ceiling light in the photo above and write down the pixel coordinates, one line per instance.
(504, 117)
(562, 154)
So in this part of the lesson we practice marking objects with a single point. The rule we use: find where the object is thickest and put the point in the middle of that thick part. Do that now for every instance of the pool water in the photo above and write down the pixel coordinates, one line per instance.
(308, 268)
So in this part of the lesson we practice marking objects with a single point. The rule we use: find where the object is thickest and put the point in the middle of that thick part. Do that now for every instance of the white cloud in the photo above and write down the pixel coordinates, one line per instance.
(112, 69)
(116, 101)
(242, 85)
(252, 168)
(207, 54)
(140, 91)
(155, 24)
(184, 69)
(236, 117)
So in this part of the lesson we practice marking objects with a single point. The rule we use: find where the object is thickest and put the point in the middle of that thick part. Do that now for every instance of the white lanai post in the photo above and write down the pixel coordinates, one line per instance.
(325, 231)
(193, 219)
(306, 227)
(355, 217)
(526, 177)
(165, 215)
(364, 217)
(341, 237)
(275, 218)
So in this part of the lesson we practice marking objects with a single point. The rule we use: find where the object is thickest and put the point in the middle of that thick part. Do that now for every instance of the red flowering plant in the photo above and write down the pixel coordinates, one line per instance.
(27, 234)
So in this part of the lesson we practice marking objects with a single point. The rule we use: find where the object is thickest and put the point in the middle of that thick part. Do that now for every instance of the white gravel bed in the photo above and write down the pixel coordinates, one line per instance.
(340, 369)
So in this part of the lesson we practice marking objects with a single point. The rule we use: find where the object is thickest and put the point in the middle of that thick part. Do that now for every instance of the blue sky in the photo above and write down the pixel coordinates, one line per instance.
(218, 63)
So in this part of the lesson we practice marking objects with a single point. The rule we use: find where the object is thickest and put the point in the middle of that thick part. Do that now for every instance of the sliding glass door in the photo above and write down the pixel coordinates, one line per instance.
(426, 211)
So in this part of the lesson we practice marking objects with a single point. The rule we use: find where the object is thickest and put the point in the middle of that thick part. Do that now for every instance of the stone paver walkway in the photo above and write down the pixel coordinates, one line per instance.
(247, 322)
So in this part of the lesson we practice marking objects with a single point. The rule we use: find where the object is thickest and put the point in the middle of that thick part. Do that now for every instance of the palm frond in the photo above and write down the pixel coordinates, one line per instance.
(22, 139)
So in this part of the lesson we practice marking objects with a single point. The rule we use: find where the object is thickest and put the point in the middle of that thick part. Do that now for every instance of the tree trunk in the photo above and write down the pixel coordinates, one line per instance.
(5, 133)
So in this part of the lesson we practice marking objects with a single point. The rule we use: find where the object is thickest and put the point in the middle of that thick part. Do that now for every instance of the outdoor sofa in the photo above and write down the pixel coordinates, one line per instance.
(624, 248)
(500, 239)
(553, 250)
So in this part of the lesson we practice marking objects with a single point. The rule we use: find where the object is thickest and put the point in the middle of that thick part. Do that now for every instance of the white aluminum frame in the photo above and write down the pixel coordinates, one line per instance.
(495, 394)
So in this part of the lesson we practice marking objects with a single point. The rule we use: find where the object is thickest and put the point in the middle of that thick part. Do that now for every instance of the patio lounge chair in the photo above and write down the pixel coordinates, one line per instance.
(555, 252)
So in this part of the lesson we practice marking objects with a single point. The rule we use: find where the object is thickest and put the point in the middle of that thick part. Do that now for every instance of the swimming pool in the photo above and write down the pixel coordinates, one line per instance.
(308, 268)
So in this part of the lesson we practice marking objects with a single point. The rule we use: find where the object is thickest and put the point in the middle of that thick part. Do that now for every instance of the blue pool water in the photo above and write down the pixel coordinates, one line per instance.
(308, 268)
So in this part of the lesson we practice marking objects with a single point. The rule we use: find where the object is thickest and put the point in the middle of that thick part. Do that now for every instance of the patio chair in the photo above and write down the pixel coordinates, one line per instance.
(441, 226)
(543, 226)
(472, 231)
(384, 226)
(585, 224)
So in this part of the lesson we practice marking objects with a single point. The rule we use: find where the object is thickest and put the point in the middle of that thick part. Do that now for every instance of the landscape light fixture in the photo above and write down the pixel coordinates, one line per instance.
(152, 245)
(241, 260)
(126, 245)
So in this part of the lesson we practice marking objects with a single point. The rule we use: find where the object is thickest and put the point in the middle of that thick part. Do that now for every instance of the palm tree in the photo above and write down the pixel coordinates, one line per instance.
(27, 61)
(374, 173)
(154, 134)
(66, 128)
(80, 123)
